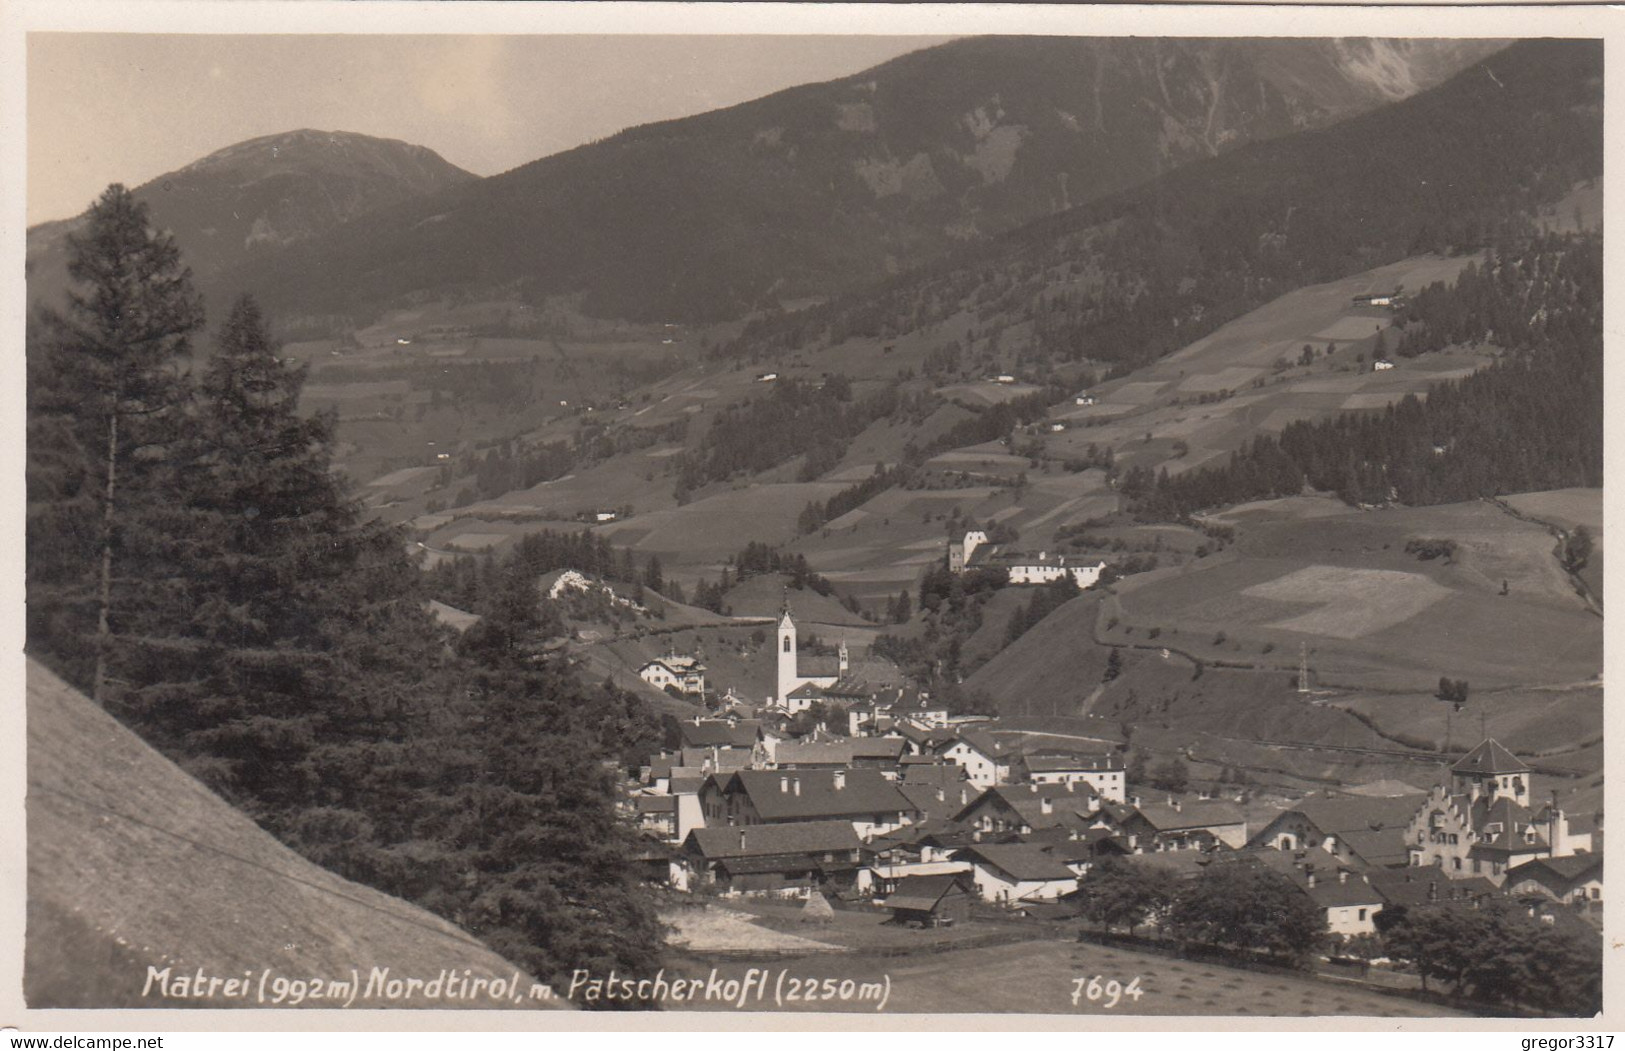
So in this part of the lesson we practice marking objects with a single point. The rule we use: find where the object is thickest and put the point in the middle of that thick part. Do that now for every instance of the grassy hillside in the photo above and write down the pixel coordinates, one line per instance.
(133, 864)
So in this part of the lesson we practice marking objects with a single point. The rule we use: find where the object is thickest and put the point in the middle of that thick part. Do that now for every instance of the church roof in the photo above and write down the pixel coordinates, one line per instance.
(1490, 757)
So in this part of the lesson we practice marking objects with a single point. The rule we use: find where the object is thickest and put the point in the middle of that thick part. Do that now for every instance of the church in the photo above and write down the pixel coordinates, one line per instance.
(794, 673)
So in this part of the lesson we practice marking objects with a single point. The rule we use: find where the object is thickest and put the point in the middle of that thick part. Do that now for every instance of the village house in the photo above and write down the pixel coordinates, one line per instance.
(1575, 879)
(1346, 896)
(1026, 808)
(657, 815)
(985, 761)
(1177, 825)
(1411, 886)
(865, 798)
(775, 859)
(1016, 873)
(686, 675)
(1103, 772)
(879, 753)
(1366, 832)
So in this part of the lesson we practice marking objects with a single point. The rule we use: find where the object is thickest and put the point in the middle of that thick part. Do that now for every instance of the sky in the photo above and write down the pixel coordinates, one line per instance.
(121, 107)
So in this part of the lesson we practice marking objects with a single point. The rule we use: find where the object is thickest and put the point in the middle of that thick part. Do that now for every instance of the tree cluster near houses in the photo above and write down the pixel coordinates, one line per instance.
(197, 567)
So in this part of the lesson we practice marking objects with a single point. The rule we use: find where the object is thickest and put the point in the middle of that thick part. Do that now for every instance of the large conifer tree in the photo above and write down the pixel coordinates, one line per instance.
(107, 399)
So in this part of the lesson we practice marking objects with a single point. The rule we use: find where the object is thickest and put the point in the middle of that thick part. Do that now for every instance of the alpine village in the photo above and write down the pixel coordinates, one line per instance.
(1052, 525)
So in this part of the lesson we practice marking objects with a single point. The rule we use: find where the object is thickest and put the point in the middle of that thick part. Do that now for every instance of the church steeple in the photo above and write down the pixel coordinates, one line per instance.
(845, 662)
(788, 679)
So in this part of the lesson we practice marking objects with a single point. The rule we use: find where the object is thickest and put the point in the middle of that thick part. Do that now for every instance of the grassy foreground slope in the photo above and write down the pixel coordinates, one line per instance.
(132, 864)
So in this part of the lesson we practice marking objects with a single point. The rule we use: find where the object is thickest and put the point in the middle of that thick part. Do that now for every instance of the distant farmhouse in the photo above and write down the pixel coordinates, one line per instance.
(1379, 299)
(975, 551)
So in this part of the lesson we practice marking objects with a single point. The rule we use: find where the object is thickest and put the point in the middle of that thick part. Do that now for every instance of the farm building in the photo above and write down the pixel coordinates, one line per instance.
(684, 674)
(975, 551)
(1104, 772)
(930, 901)
(1012, 873)
(775, 859)
(865, 799)
(1378, 299)
(1179, 825)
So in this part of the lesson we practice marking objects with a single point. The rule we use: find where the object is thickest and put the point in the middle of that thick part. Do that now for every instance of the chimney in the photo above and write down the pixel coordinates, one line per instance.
(784, 784)
(1175, 804)
(741, 839)
(1343, 876)
(1046, 805)
(964, 796)
(840, 780)
(1311, 881)
(1033, 788)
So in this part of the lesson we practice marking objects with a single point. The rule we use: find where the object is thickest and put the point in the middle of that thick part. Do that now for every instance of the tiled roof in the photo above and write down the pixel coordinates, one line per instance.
(684, 785)
(1339, 814)
(1420, 886)
(1024, 861)
(775, 793)
(924, 798)
(1489, 758)
(718, 733)
(679, 665)
(655, 804)
(818, 667)
(760, 840)
(1060, 763)
(928, 770)
(1572, 868)
(920, 893)
(1198, 814)
(1385, 847)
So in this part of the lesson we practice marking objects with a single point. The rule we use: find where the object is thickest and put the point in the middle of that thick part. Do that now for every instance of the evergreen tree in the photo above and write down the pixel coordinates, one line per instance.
(110, 401)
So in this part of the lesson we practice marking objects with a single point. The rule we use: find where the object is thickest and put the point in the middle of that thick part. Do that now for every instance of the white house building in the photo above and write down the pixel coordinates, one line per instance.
(1104, 773)
(975, 551)
(686, 674)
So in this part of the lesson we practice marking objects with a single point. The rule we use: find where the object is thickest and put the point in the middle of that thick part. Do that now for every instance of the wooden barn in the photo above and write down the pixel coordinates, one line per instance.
(930, 901)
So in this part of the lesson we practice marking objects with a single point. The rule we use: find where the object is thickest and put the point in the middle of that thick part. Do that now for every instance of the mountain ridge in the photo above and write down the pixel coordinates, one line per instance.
(824, 187)
(268, 191)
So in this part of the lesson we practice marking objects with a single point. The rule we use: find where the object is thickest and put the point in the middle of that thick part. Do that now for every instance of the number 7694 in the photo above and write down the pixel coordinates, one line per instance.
(1107, 992)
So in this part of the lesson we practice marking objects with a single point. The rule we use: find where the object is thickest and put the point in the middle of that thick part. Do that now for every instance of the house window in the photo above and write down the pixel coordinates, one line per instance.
(1362, 914)
(787, 644)
(1457, 864)
(1476, 868)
